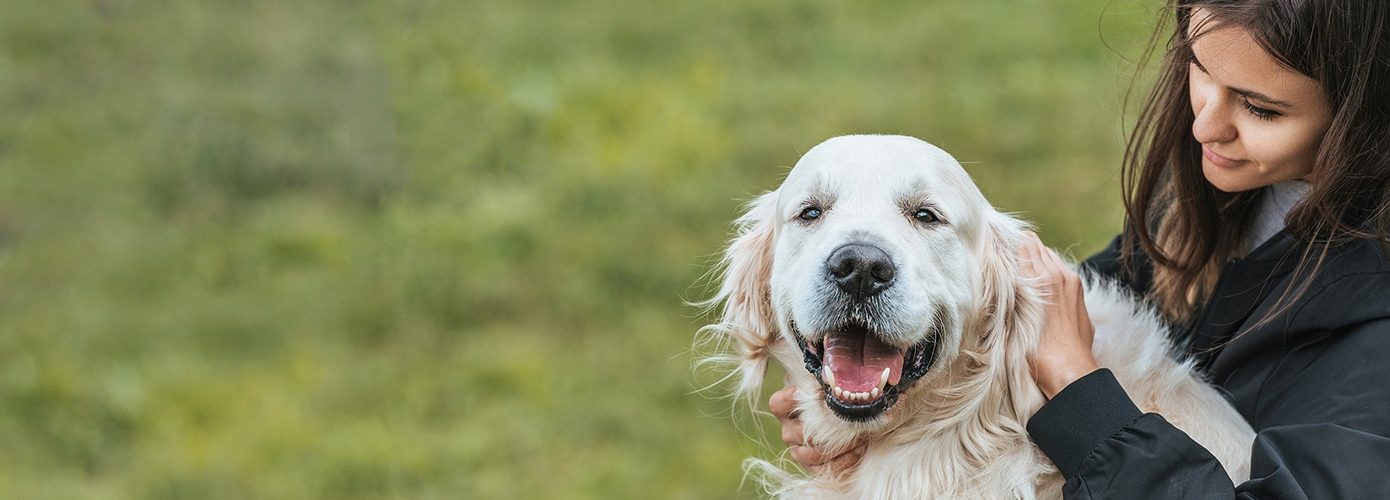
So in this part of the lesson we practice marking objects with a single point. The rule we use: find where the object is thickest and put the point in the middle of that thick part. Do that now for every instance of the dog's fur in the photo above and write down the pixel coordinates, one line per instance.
(958, 431)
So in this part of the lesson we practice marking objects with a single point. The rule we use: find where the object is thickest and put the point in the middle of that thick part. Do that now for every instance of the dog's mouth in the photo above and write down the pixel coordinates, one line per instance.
(862, 375)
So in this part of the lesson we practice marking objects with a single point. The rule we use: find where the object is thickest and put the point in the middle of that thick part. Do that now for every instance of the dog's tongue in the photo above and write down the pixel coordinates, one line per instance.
(858, 360)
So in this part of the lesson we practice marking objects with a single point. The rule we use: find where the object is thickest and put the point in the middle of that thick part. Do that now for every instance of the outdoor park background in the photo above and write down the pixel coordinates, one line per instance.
(442, 249)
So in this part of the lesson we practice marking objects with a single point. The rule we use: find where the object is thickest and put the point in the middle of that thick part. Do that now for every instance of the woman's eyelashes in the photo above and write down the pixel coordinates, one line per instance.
(1261, 113)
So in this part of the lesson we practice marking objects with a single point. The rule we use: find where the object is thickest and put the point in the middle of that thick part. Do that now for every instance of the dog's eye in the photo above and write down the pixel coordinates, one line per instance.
(810, 213)
(925, 216)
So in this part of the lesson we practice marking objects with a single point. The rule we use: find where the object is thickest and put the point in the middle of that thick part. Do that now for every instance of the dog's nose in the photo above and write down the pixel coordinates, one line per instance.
(860, 270)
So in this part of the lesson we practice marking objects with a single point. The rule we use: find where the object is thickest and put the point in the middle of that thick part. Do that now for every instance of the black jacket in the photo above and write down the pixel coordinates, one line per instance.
(1314, 384)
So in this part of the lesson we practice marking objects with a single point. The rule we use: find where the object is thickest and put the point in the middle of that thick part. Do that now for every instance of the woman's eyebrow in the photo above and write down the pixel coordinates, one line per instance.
(1245, 92)
(1260, 97)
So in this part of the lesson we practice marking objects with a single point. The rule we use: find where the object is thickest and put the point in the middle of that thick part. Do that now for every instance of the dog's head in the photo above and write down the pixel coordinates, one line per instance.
(876, 263)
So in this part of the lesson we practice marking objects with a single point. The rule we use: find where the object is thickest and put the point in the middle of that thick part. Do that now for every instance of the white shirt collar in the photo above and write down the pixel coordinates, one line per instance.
(1276, 203)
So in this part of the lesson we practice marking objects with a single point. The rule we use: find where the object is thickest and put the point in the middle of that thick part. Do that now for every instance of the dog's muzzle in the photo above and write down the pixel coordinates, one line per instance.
(861, 375)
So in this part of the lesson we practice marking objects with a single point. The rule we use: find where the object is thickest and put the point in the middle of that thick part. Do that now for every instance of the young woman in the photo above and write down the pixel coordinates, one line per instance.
(1257, 205)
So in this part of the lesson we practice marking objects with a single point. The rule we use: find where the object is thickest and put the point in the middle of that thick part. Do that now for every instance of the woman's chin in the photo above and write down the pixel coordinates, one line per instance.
(1232, 179)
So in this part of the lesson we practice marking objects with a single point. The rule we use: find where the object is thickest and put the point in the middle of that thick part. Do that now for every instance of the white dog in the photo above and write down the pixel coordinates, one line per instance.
(879, 276)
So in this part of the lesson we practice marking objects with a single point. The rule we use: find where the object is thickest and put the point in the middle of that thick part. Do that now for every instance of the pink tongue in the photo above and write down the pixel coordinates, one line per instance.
(858, 360)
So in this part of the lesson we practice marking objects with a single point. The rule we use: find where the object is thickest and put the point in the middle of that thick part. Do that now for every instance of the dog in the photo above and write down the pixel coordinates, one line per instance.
(879, 276)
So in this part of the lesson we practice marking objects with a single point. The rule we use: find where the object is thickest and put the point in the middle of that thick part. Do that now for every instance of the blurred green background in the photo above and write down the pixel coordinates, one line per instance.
(441, 249)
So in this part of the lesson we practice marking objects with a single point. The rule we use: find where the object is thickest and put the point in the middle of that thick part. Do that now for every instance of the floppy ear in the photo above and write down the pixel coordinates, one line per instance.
(1013, 313)
(747, 319)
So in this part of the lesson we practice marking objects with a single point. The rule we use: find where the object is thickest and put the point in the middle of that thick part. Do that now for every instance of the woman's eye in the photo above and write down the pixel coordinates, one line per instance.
(1261, 113)
(924, 215)
(810, 213)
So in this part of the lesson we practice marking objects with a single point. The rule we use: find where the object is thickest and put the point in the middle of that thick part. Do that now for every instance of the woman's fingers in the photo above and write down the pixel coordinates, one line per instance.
(814, 460)
(783, 406)
(792, 434)
(1028, 255)
(846, 460)
(1038, 261)
(1058, 265)
(809, 457)
(782, 402)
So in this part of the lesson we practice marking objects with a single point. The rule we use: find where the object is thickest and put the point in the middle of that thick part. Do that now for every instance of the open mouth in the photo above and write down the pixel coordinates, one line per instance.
(862, 375)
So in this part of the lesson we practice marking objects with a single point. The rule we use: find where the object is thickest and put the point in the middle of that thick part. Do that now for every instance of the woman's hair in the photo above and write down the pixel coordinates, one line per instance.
(1190, 229)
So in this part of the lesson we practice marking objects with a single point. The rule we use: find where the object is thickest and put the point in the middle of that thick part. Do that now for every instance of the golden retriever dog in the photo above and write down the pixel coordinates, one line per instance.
(879, 276)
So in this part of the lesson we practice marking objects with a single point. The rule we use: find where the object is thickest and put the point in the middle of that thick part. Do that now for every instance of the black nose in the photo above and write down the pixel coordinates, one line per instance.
(860, 270)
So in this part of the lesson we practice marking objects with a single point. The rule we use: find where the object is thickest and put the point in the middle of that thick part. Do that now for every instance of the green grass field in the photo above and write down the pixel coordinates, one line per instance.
(431, 249)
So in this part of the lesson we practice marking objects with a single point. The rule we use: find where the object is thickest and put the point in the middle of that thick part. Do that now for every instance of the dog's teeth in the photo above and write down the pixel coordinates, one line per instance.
(874, 393)
(839, 393)
(883, 380)
(828, 376)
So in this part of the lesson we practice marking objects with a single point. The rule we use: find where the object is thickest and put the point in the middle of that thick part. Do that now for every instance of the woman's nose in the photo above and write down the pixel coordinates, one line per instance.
(1213, 122)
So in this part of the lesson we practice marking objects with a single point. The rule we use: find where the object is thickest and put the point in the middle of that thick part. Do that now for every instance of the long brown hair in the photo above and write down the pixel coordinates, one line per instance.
(1187, 227)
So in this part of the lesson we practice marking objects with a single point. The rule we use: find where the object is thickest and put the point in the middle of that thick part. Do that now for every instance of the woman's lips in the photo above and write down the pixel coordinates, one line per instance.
(1220, 161)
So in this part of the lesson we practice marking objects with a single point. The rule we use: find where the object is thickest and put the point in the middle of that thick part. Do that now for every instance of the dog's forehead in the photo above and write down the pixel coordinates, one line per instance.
(899, 163)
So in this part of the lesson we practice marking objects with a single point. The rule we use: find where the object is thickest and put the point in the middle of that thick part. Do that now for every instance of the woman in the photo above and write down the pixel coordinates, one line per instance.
(1257, 209)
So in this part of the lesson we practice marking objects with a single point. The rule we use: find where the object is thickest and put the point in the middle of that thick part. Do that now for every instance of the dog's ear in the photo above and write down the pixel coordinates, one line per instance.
(747, 320)
(1012, 317)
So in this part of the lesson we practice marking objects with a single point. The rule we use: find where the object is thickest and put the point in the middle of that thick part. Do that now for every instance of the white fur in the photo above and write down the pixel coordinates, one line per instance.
(959, 431)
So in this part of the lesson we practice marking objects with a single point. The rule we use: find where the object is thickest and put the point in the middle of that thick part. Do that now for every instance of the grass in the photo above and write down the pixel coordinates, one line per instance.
(436, 249)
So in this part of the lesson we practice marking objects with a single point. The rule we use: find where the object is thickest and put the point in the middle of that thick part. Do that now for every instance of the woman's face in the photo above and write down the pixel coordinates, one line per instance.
(1259, 122)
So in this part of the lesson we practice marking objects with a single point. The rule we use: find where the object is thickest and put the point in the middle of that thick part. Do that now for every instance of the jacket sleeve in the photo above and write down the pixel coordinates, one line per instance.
(1322, 422)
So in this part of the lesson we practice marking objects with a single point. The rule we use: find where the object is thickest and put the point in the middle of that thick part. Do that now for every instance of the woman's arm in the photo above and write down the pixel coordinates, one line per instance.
(1323, 432)
(1323, 418)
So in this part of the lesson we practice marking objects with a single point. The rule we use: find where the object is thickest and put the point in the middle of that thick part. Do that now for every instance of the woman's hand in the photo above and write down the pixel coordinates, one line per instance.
(783, 404)
(1064, 350)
